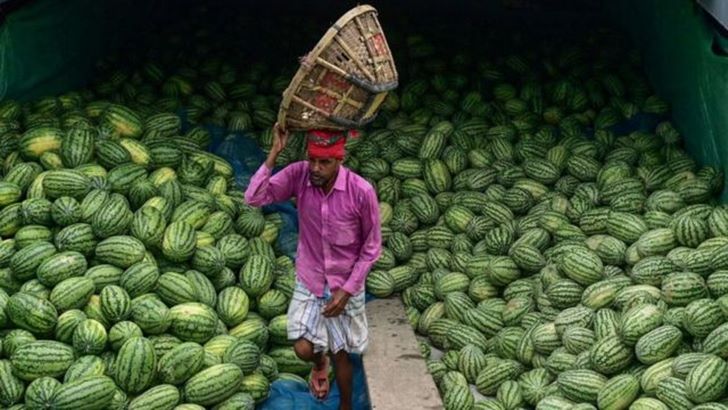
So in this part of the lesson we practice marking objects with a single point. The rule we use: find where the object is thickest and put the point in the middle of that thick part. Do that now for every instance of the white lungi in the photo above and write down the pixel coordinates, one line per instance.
(347, 332)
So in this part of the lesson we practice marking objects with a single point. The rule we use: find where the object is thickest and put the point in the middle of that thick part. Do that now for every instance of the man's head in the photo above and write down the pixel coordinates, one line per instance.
(322, 171)
(325, 155)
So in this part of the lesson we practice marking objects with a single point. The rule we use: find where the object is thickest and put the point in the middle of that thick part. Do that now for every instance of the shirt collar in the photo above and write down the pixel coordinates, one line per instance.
(340, 183)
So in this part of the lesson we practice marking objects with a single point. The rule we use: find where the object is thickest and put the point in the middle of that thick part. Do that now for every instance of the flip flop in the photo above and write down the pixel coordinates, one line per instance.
(319, 381)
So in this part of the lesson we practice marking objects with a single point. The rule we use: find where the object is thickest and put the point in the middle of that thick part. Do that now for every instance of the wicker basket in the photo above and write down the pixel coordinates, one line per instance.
(350, 74)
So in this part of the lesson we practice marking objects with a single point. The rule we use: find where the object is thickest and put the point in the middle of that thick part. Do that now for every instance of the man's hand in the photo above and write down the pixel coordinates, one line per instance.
(338, 302)
(280, 139)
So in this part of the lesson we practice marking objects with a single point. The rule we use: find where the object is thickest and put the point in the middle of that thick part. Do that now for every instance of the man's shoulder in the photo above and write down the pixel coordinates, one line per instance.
(296, 167)
(299, 164)
(359, 183)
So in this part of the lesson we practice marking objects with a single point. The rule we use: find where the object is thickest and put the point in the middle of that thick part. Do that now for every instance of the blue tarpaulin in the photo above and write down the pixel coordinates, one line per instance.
(292, 395)
(246, 157)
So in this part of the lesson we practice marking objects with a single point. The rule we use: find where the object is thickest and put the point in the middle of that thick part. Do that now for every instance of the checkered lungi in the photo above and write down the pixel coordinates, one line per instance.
(347, 332)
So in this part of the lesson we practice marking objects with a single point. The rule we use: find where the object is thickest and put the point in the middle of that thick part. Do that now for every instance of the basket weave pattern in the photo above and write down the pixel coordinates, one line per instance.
(351, 71)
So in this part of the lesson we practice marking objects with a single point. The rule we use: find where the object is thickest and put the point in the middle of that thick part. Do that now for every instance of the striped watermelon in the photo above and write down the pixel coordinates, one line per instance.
(619, 392)
(37, 141)
(671, 391)
(61, 266)
(90, 394)
(681, 288)
(179, 241)
(84, 367)
(707, 380)
(135, 365)
(150, 314)
(31, 313)
(123, 331)
(214, 384)
(40, 392)
(121, 250)
(193, 322)
(138, 278)
(123, 120)
(89, 337)
(115, 303)
(204, 288)
(72, 293)
(160, 396)
(78, 238)
(174, 288)
(610, 355)
(65, 182)
(180, 363)
(256, 276)
(113, 217)
(42, 358)
(24, 262)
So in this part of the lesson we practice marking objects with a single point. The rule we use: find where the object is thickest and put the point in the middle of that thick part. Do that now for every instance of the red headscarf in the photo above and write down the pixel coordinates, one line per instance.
(328, 144)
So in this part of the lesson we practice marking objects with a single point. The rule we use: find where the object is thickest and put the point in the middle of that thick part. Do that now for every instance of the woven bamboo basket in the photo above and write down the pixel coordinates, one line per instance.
(351, 71)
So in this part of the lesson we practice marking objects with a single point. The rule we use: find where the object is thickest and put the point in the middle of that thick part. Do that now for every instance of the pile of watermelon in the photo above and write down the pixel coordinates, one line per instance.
(132, 274)
(553, 243)
(550, 258)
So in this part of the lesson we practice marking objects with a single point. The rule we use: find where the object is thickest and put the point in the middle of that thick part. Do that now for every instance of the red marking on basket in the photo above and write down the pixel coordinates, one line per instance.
(324, 101)
(380, 47)
(334, 81)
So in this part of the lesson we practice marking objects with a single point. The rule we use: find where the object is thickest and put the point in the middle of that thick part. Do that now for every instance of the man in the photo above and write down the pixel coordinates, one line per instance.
(339, 241)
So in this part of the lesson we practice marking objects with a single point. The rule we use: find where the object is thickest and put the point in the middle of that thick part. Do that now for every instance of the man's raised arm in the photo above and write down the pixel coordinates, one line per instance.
(265, 189)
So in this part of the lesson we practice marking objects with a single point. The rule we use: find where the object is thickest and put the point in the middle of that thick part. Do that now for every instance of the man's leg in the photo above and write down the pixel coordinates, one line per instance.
(305, 351)
(344, 378)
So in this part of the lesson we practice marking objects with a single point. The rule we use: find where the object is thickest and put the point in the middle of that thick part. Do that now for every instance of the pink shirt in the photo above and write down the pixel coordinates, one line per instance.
(339, 233)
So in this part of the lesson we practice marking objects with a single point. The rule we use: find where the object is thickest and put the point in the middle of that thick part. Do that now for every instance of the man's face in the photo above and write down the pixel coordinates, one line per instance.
(322, 170)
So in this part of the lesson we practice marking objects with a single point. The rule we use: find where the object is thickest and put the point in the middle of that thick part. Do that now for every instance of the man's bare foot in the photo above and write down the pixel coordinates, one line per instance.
(319, 383)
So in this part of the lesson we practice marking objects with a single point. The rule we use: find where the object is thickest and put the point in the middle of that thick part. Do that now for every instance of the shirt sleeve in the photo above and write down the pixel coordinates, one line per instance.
(265, 189)
(372, 246)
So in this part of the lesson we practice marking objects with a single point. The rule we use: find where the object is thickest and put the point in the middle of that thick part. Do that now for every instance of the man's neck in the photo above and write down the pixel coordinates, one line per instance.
(330, 184)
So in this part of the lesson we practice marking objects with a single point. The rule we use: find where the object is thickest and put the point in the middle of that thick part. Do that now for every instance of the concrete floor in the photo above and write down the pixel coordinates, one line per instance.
(395, 371)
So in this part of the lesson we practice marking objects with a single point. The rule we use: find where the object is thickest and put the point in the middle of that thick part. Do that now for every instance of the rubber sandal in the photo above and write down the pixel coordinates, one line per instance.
(319, 381)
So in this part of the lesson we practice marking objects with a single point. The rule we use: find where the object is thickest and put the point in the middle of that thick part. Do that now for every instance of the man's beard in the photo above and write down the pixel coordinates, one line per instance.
(317, 181)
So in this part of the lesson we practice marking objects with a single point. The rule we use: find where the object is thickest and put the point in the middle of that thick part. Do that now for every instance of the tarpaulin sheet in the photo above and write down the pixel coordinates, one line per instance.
(292, 395)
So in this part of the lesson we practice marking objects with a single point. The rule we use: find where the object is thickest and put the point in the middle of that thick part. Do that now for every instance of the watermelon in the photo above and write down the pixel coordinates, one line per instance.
(89, 337)
(179, 241)
(72, 293)
(256, 276)
(93, 393)
(707, 380)
(135, 365)
(193, 322)
(214, 384)
(31, 313)
(180, 363)
(40, 392)
(160, 396)
(121, 250)
(60, 267)
(85, 366)
(121, 332)
(42, 358)
(65, 183)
